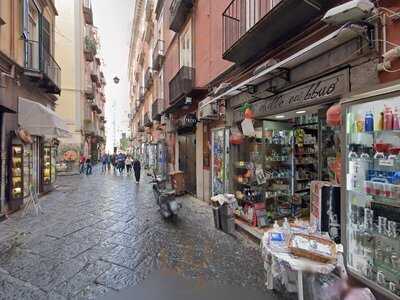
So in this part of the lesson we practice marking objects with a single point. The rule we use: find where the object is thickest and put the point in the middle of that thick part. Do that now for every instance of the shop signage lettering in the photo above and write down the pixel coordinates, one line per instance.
(309, 94)
(315, 91)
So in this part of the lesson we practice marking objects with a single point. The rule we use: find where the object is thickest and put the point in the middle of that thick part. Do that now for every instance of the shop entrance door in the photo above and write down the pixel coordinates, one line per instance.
(187, 161)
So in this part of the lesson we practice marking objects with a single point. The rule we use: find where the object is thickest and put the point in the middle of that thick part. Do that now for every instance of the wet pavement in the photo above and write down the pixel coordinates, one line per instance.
(103, 233)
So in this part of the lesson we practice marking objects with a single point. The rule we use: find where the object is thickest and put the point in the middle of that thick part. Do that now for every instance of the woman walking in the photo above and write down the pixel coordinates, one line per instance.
(136, 169)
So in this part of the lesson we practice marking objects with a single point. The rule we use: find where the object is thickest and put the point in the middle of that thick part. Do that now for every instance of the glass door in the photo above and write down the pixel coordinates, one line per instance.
(219, 162)
(373, 192)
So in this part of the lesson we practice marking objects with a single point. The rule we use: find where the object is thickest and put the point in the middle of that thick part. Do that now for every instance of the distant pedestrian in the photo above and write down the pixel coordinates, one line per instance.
(104, 160)
(128, 163)
(82, 161)
(121, 163)
(89, 167)
(109, 161)
(136, 169)
(114, 162)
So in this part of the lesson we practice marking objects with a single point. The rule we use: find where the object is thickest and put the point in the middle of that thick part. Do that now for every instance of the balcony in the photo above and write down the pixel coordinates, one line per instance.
(157, 108)
(88, 12)
(94, 72)
(181, 85)
(90, 44)
(179, 11)
(159, 7)
(89, 127)
(41, 67)
(142, 93)
(265, 24)
(146, 121)
(140, 126)
(158, 55)
(90, 89)
(148, 79)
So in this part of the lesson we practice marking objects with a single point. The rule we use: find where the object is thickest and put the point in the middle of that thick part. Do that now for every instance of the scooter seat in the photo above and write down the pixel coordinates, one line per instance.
(168, 192)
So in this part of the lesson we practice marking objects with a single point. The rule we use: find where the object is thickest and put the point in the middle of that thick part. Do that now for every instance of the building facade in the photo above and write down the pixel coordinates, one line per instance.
(231, 77)
(30, 83)
(82, 99)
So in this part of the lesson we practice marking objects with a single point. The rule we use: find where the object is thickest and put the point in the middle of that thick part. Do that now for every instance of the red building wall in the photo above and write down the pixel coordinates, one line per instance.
(208, 40)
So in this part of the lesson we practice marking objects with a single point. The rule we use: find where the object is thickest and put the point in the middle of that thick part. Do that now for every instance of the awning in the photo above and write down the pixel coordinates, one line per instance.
(40, 120)
(331, 41)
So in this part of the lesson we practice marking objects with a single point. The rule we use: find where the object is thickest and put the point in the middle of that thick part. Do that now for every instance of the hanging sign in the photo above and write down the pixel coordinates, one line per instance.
(315, 92)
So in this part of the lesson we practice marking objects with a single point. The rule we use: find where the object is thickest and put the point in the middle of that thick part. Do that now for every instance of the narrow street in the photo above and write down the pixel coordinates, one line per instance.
(103, 233)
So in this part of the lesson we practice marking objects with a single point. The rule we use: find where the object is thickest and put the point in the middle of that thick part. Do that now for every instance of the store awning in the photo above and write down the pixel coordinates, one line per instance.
(331, 41)
(40, 120)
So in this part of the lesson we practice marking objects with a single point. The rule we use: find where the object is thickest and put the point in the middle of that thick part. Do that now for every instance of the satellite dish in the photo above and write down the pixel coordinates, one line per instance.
(116, 79)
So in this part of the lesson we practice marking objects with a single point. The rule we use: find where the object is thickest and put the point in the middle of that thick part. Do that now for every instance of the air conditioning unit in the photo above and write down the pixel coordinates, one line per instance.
(208, 111)
(352, 11)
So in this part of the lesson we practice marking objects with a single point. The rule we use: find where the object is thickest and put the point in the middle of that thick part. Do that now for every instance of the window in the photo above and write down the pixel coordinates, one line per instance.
(185, 47)
(46, 35)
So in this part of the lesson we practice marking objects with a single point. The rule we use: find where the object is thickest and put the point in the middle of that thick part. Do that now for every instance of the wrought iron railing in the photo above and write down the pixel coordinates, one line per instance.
(146, 120)
(38, 59)
(148, 78)
(181, 84)
(158, 54)
(240, 16)
(157, 108)
(142, 93)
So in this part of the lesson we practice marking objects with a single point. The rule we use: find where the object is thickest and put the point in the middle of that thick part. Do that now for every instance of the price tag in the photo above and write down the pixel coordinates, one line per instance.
(386, 162)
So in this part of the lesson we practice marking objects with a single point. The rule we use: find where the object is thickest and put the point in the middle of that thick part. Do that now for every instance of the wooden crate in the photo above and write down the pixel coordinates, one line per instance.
(178, 182)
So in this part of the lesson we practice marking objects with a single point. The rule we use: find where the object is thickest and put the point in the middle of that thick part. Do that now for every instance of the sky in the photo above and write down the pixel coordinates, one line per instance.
(113, 19)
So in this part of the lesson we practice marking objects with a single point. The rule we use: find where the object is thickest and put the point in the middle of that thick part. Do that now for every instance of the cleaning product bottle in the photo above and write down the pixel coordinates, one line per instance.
(388, 119)
(379, 124)
(369, 122)
(396, 119)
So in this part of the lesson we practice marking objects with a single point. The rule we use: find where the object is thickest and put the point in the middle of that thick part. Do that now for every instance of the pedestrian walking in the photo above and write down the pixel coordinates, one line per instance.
(109, 161)
(128, 163)
(121, 163)
(114, 162)
(89, 167)
(104, 160)
(136, 169)
(82, 161)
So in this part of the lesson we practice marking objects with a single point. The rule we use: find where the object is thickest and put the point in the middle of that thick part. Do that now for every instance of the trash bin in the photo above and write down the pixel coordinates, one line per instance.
(227, 224)
(216, 214)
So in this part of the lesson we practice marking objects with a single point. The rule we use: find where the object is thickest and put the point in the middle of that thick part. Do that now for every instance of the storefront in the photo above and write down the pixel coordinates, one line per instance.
(280, 145)
(33, 150)
(371, 199)
(186, 137)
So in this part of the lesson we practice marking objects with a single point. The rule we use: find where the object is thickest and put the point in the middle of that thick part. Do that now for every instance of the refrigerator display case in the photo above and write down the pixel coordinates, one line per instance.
(372, 202)
(48, 165)
(16, 176)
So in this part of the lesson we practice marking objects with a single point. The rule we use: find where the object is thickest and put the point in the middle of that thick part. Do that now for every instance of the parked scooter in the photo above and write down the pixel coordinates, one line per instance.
(165, 198)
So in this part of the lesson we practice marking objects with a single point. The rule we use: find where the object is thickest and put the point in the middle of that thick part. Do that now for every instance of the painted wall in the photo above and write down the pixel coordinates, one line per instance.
(207, 40)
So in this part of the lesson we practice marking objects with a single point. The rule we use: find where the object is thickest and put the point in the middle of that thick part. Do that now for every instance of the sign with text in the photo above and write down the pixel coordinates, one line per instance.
(315, 92)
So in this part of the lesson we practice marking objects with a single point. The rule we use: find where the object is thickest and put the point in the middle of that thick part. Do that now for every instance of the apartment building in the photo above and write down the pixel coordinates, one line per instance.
(82, 99)
(30, 84)
(184, 53)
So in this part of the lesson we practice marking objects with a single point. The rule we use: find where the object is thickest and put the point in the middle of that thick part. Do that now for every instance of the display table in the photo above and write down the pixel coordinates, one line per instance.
(282, 264)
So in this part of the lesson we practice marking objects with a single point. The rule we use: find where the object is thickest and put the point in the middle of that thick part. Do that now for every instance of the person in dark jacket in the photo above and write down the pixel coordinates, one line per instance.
(89, 166)
(136, 169)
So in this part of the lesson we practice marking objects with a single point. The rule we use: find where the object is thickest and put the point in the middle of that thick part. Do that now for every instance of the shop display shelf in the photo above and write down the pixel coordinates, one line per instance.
(305, 179)
(306, 163)
(277, 196)
(304, 154)
(377, 132)
(305, 125)
(302, 191)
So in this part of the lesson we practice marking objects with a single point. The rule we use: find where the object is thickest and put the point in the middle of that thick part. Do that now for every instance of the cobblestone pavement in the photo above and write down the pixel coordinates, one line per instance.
(104, 233)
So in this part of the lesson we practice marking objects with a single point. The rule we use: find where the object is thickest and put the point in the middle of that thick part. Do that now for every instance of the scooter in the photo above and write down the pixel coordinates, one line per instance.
(165, 198)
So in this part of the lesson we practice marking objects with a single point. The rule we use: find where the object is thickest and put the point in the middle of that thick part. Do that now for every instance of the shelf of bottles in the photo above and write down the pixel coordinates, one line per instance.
(47, 164)
(17, 188)
(306, 130)
(278, 172)
(373, 192)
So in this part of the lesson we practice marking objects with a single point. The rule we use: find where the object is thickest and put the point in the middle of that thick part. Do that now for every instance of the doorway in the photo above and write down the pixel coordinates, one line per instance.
(187, 161)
